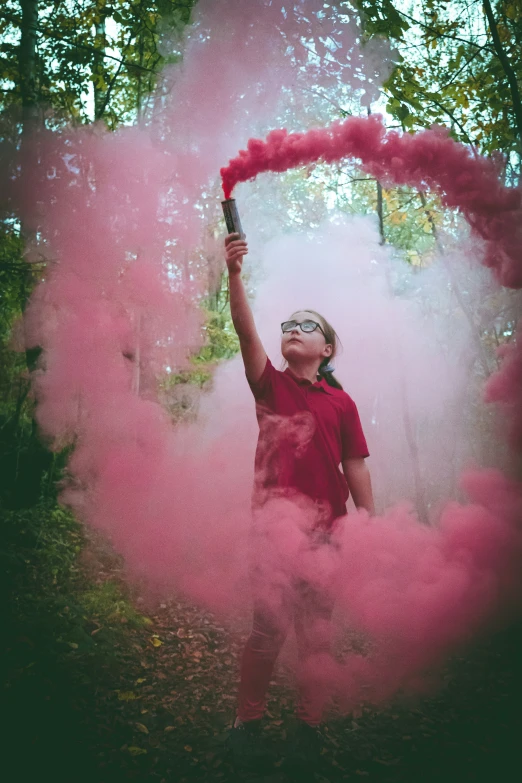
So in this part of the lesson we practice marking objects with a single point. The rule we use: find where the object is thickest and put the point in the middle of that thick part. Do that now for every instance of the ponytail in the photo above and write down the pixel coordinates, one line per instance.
(326, 371)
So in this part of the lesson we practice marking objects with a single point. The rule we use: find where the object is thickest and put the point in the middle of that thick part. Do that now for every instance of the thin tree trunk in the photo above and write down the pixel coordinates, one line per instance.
(456, 291)
(380, 213)
(409, 428)
(139, 92)
(27, 56)
(27, 69)
(508, 70)
(411, 440)
(100, 43)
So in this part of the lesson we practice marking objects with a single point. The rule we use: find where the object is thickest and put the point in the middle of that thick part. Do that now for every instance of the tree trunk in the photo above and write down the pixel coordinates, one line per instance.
(98, 71)
(456, 291)
(508, 70)
(380, 213)
(139, 94)
(27, 53)
(27, 57)
(27, 68)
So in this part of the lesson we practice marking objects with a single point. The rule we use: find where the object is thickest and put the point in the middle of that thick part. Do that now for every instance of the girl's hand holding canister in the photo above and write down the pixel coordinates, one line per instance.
(235, 248)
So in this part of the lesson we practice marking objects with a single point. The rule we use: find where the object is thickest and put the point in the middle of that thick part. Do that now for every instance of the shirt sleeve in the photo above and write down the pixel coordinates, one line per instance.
(262, 388)
(352, 436)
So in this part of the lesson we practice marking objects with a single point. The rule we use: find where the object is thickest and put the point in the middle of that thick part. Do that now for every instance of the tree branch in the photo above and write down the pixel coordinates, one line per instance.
(464, 66)
(47, 34)
(107, 95)
(438, 34)
(451, 116)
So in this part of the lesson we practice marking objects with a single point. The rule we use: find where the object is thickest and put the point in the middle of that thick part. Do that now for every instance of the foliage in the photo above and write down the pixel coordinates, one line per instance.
(410, 219)
(76, 647)
(450, 70)
(106, 603)
(24, 461)
(46, 593)
(45, 539)
(111, 47)
(222, 341)
(197, 376)
(13, 280)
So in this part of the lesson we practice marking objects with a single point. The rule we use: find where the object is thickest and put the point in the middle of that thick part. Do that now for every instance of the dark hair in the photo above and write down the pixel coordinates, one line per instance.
(332, 338)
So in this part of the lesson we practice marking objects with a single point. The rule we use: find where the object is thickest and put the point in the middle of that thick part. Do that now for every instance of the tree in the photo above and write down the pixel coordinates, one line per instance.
(458, 64)
(105, 48)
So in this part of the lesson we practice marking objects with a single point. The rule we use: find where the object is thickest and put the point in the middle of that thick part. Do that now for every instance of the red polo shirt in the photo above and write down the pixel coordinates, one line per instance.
(305, 431)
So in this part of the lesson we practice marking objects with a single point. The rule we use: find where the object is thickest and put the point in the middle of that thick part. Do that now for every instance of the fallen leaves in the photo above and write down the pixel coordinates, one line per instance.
(181, 676)
(135, 751)
(126, 695)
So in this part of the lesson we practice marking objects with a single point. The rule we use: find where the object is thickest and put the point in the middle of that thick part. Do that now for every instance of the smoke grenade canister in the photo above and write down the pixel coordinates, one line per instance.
(232, 217)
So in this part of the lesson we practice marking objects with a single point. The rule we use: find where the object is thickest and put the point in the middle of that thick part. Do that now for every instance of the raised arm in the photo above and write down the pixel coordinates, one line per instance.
(252, 351)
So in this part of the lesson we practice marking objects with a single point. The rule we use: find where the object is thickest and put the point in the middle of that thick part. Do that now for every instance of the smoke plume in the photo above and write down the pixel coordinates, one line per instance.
(126, 222)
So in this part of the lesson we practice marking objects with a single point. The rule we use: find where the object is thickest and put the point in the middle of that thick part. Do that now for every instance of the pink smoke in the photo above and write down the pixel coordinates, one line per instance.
(427, 159)
(416, 592)
(419, 591)
(119, 218)
(505, 388)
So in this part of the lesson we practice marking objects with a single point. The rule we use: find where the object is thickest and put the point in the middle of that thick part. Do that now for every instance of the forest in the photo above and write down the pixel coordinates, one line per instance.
(103, 679)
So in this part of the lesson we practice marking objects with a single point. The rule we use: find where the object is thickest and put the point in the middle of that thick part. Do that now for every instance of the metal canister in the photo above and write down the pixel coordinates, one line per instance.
(232, 217)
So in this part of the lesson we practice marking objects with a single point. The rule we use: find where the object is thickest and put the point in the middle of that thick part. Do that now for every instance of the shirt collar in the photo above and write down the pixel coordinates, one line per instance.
(322, 384)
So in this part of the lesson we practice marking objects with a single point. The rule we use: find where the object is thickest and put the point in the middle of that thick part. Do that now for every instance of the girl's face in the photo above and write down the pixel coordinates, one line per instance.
(297, 345)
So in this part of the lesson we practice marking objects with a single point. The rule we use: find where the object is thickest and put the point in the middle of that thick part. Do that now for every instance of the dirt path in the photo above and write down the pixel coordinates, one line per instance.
(155, 704)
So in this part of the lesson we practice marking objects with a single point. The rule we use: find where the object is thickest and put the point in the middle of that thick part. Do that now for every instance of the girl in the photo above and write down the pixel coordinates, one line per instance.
(308, 427)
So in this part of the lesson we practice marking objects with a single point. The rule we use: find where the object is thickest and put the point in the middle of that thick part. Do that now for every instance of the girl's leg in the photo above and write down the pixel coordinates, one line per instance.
(259, 656)
(313, 629)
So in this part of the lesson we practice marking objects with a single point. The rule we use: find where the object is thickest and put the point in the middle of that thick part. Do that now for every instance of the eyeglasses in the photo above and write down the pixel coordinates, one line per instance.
(305, 326)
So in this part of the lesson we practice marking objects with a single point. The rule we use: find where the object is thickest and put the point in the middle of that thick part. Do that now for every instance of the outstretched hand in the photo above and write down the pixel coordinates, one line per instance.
(235, 248)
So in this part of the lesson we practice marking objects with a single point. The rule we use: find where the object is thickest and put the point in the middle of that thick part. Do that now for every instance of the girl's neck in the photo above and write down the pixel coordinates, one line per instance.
(307, 370)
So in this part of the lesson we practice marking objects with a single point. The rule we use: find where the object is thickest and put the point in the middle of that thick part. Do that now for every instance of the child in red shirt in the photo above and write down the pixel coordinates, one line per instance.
(308, 427)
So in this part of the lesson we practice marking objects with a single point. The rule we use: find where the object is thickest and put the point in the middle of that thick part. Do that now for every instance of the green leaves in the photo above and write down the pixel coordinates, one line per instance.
(135, 751)
(72, 56)
(449, 72)
(382, 18)
(126, 696)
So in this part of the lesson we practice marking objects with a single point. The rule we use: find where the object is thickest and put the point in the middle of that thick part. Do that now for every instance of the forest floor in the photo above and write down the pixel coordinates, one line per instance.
(121, 699)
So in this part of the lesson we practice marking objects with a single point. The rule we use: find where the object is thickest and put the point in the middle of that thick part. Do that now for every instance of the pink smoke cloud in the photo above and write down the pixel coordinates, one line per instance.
(426, 159)
(118, 224)
(505, 386)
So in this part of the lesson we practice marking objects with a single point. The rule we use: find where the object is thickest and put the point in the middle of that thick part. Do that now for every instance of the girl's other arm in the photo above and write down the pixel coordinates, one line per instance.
(252, 351)
(359, 483)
